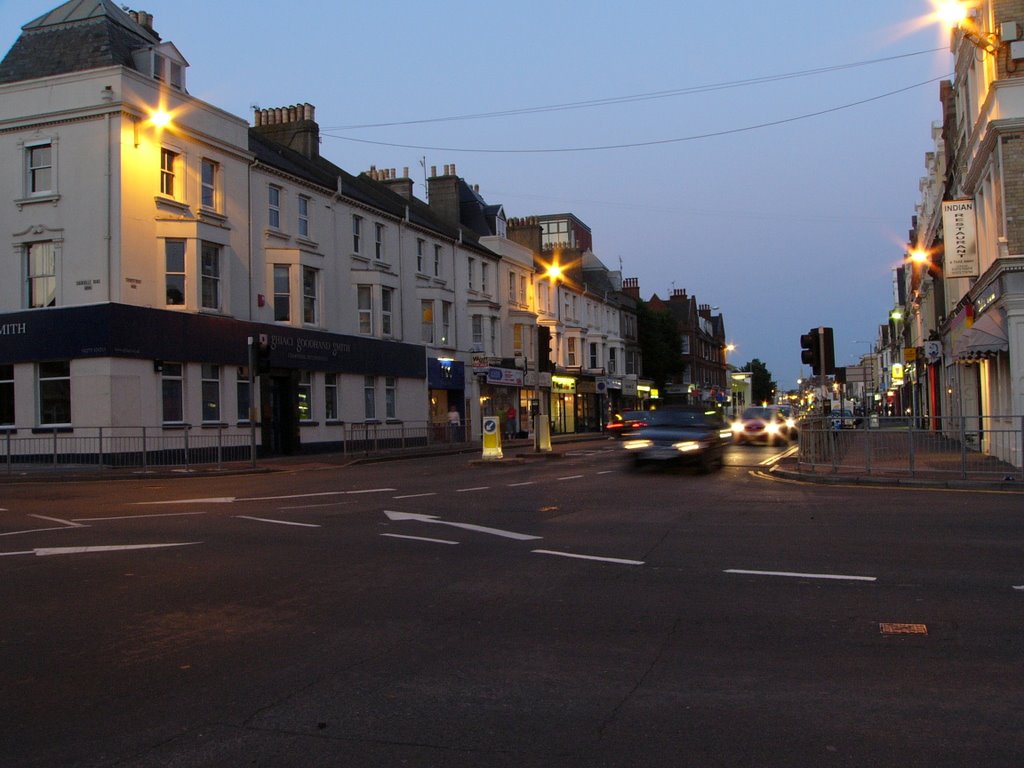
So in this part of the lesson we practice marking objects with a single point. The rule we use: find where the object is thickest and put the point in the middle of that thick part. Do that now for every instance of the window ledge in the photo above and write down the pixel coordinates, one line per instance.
(172, 427)
(275, 234)
(309, 423)
(170, 202)
(208, 214)
(214, 425)
(306, 242)
(62, 429)
(334, 423)
(35, 199)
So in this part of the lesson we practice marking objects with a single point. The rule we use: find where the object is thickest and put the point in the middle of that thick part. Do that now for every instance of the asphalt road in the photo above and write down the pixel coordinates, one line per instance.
(560, 612)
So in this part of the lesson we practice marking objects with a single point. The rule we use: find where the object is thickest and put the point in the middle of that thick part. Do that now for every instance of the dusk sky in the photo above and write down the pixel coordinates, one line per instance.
(764, 156)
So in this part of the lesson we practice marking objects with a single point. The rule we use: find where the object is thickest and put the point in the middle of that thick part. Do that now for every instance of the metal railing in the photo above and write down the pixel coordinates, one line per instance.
(974, 447)
(187, 446)
(105, 448)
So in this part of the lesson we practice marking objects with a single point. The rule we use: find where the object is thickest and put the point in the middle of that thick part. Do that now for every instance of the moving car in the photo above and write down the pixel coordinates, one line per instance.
(625, 422)
(680, 435)
(761, 424)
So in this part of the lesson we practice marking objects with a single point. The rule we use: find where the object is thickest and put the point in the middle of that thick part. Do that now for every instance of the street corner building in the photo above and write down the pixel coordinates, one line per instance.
(177, 269)
(952, 352)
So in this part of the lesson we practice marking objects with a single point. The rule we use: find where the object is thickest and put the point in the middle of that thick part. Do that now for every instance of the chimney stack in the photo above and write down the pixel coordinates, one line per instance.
(443, 195)
(294, 127)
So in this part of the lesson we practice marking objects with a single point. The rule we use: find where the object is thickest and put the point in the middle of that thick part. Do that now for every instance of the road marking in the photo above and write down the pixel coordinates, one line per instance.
(1020, 588)
(467, 526)
(141, 517)
(40, 530)
(588, 557)
(478, 488)
(58, 520)
(233, 499)
(315, 506)
(519, 485)
(276, 522)
(607, 471)
(414, 496)
(214, 500)
(419, 538)
(314, 495)
(47, 551)
(833, 576)
(569, 477)
(778, 457)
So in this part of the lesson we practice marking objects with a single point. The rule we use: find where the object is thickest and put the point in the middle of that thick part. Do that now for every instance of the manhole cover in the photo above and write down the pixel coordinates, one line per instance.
(903, 629)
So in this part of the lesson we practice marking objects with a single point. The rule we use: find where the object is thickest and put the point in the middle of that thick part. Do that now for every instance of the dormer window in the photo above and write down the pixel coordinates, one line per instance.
(163, 63)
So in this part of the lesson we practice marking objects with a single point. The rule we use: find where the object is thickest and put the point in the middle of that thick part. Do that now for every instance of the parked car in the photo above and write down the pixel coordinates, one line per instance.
(760, 424)
(843, 419)
(625, 422)
(680, 435)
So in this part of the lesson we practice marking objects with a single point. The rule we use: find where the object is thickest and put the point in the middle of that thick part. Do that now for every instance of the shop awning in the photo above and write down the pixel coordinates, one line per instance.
(985, 339)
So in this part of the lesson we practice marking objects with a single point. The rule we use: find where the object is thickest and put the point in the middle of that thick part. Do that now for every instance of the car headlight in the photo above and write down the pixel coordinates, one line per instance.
(636, 445)
(687, 446)
(790, 423)
(772, 428)
(737, 426)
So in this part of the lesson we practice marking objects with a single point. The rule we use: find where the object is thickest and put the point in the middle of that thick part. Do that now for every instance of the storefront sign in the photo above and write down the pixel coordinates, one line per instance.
(959, 225)
(563, 384)
(505, 377)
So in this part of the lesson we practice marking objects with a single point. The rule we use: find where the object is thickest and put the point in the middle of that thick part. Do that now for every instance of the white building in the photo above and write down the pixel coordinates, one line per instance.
(153, 235)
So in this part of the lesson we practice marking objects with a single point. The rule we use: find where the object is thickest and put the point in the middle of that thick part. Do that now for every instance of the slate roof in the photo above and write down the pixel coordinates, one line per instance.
(74, 37)
(361, 188)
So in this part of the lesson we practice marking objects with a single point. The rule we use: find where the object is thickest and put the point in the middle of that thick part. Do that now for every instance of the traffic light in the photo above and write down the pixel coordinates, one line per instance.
(810, 351)
(818, 351)
(828, 362)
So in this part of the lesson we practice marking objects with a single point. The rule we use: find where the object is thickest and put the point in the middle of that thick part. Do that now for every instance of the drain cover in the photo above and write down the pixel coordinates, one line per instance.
(903, 629)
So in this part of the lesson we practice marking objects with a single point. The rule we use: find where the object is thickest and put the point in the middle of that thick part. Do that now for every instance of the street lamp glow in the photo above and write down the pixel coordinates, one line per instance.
(554, 271)
(950, 13)
(160, 118)
(919, 256)
(896, 315)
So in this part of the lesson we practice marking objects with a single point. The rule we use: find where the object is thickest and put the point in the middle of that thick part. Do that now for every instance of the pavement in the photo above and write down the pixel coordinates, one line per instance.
(884, 461)
(932, 470)
(517, 450)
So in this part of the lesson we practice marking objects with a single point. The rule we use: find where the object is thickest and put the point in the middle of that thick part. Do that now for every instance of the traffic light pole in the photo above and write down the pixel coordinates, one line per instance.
(252, 400)
(826, 396)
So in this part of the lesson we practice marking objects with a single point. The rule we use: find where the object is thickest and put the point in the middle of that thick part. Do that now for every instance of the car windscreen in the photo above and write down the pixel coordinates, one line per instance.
(676, 419)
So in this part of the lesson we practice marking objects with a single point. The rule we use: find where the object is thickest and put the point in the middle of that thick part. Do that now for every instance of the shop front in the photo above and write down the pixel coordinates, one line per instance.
(503, 395)
(563, 405)
(446, 382)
